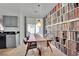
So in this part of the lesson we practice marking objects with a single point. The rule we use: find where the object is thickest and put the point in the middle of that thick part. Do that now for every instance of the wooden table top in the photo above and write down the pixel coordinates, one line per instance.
(37, 39)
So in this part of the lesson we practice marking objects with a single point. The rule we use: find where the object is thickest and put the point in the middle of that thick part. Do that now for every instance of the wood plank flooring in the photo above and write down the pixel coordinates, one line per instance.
(20, 51)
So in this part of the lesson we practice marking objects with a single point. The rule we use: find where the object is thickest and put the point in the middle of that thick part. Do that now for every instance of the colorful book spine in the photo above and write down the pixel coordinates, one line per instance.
(75, 25)
(63, 10)
(68, 6)
(58, 13)
(76, 12)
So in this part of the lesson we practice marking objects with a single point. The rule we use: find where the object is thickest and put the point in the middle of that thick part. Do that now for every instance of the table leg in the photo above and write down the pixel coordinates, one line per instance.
(49, 45)
(39, 51)
(27, 49)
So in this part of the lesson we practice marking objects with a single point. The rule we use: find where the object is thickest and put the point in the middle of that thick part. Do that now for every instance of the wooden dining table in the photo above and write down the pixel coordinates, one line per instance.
(38, 41)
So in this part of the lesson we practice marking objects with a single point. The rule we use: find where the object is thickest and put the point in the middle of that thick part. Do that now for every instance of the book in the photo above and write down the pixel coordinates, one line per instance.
(55, 9)
(66, 16)
(68, 6)
(72, 5)
(75, 25)
(61, 18)
(76, 36)
(63, 10)
(77, 47)
(58, 13)
(72, 14)
(75, 5)
(71, 26)
(76, 12)
(59, 27)
(65, 26)
(59, 5)
(77, 28)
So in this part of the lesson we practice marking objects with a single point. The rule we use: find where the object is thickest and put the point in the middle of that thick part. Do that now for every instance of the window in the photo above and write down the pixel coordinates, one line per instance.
(10, 21)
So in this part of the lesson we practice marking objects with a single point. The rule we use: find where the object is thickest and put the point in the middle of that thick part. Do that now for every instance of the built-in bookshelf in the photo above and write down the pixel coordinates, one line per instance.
(63, 27)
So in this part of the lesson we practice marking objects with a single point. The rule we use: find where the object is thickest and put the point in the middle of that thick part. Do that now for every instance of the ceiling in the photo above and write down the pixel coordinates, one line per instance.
(36, 10)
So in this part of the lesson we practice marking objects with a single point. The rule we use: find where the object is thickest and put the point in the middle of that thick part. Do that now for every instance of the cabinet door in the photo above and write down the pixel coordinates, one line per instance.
(2, 41)
(10, 41)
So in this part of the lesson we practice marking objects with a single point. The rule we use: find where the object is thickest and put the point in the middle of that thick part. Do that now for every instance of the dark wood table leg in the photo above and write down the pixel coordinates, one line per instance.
(39, 51)
(27, 49)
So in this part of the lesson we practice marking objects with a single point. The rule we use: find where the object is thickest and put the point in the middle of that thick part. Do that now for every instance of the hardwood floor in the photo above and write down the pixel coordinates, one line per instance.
(20, 51)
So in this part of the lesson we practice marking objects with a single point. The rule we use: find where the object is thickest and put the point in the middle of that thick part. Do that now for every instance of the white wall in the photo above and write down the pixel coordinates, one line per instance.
(21, 27)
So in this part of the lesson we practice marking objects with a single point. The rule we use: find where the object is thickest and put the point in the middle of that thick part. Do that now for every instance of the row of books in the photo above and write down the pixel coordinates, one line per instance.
(72, 6)
(66, 33)
(64, 7)
(72, 45)
(58, 6)
(67, 16)
(64, 11)
(70, 26)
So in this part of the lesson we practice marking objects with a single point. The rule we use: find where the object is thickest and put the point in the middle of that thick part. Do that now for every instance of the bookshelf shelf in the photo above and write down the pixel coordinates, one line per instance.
(62, 23)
